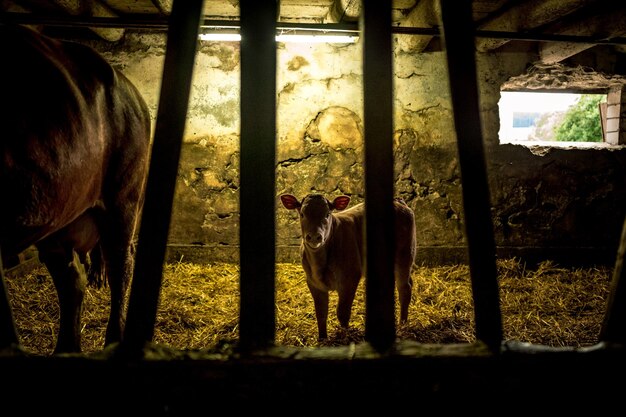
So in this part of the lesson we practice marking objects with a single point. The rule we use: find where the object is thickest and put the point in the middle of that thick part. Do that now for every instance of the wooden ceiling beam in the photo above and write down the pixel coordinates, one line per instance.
(92, 9)
(526, 16)
(164, 6)
(425, 15)
(602, 26)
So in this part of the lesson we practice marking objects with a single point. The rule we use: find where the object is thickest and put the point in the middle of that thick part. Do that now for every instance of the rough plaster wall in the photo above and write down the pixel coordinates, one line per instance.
(566, 197)
(426, 153)
(320, 145)
(320, 136)
(551, 197)
(538, 199)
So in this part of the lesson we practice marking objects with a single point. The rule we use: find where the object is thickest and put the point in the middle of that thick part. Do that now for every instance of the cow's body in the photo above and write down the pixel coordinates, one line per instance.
(333, 255)
(74, 148)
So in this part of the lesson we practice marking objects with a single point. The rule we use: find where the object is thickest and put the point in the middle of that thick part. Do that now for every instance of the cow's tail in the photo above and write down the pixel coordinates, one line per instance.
(96, 272)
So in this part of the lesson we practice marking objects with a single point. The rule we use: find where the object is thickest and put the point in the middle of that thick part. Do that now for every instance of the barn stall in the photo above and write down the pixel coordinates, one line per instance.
(538, 200)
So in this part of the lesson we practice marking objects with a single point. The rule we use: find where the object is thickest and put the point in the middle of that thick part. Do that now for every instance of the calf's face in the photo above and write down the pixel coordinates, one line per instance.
(315, 213)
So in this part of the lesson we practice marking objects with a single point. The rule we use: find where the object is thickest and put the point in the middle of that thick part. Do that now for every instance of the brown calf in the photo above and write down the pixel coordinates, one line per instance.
(332, 252)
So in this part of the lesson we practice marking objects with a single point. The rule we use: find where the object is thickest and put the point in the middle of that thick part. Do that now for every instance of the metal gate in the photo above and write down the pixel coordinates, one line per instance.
(382, 367)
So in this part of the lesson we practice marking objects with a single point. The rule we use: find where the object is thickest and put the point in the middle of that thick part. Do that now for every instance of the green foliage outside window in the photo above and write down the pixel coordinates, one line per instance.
(582, 121)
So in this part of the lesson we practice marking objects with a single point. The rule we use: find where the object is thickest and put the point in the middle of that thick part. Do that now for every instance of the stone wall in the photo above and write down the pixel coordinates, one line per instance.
(559, 202)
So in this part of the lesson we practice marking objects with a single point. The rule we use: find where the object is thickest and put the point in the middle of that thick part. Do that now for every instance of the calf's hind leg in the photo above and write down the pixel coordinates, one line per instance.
(404, 285)
(346, 293)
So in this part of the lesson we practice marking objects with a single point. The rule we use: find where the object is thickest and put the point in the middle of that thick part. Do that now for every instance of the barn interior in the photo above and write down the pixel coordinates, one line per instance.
(562, 201)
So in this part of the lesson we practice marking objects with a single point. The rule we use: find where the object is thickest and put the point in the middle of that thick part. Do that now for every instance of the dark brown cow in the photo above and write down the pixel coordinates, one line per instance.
(332, 252)
(74, 148)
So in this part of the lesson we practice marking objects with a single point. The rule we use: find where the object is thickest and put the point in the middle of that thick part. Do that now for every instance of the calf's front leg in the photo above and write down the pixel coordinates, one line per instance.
(320, 300)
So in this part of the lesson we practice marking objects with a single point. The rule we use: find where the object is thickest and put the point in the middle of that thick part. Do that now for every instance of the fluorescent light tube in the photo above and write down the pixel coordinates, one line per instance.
(235, 37)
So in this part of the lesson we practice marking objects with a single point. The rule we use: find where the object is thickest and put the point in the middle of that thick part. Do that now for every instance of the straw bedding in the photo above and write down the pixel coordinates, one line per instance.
(199, 306)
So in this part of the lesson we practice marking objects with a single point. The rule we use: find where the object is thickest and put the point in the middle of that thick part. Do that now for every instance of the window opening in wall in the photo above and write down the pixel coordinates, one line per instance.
(557, 118)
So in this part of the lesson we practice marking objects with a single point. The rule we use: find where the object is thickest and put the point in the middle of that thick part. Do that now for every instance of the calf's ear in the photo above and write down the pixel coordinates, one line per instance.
(290, 202)
(341, 202)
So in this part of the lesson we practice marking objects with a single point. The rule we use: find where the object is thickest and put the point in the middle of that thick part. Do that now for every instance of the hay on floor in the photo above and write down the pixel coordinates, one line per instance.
(199, 307)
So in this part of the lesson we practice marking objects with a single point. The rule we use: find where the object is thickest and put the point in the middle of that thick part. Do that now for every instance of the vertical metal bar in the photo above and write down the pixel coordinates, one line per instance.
(458, 33)
(182, 41)
(614, 325)
(379, 215)
(8, 333)
(258, 155)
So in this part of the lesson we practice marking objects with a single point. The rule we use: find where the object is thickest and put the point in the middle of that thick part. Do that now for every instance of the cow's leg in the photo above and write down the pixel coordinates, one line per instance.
(70, 280)
(346, 293)
(116, 247)
(117, 250)
(123, 199)
(404, 285)
(320, 300)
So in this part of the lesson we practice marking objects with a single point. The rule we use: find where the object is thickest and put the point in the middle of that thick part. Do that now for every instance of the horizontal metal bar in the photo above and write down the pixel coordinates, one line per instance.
(147, 22)
(129, 22)
(161, 23)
